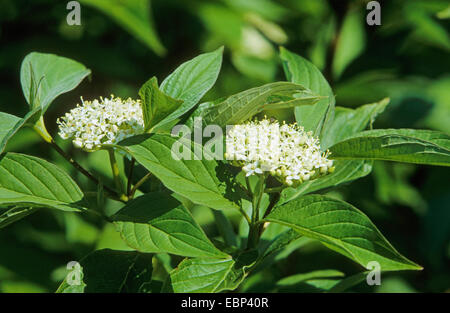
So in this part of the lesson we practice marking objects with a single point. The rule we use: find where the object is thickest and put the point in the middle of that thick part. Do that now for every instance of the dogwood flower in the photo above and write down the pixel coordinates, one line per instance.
(286, 151)
(104, 121)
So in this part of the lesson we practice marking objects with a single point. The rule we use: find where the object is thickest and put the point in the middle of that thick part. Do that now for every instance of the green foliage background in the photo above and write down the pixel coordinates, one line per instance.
(406, 59)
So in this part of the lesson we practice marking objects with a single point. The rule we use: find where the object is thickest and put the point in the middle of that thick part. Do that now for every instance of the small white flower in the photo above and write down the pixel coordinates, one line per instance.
(288, 152)
(107, 121)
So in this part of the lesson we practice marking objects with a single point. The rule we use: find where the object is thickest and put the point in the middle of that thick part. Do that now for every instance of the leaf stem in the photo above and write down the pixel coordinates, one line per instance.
(130, 176)
(116, 173)
(138, 184)
(78, 167)
(274, 189)
(253, 233)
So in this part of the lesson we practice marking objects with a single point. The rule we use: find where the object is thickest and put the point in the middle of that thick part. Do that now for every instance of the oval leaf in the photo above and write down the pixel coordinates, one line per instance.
(196, 180)
(158, 223)
(46, 76)
(299, 70)
(191, 80)
(30, 181)
(341, 227)
(402, 145)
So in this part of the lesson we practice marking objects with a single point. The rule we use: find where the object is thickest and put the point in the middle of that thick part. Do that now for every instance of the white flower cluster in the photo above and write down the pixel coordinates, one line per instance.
(286, 151)
(107, 121)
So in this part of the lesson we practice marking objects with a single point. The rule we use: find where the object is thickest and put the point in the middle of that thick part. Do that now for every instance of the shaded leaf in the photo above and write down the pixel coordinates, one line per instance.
(110, 271)
(345, 171)
(14, 214)
(348, 121)
(135, 17)
(351, 41)
(10, 125)
(210, 275)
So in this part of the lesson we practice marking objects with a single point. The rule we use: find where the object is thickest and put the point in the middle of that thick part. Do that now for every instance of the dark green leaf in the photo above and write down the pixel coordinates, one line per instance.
(110, 271)
(135, 17)
(210, 275)
(346, 171)
(14, 214)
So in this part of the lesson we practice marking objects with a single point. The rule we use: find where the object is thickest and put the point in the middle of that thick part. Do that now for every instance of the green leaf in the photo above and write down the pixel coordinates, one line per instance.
(10, 125)
(298, 278)
(341, 227)
(350, 42)
(156, 105)
(349, 282)
(14, 214)
(242, 106)
(191, 80)
(46, 76)
(348, 121)
(225, 228)
(109, 271)
(209, 275)
(158, 223)
(299, 70)
(402, 145)
(135, 17)
(194, 179)
(345, 171)
(32, 182)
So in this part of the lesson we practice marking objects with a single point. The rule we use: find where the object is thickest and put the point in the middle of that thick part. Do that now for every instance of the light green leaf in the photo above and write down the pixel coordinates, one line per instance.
(402, 145)
(194, 179)
(46, 76)
(209, 275)
(345, 171)
(242, 106)
(348, 121)
(156, 105)
(158, 223)
(10, 125)
(14, 214)
(135, 17)
(351, 41)
(299, 70)
(109, 271)
(32, 182)
(341, 227)
(191, 80)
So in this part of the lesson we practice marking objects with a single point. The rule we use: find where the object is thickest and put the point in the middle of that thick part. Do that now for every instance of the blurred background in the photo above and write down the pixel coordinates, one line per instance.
(125, 42)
